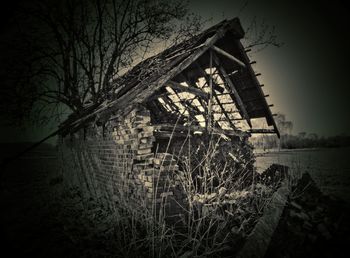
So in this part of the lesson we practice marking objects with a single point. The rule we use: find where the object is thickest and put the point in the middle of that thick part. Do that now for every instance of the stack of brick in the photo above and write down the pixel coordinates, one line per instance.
(126, 135)
(119, 161)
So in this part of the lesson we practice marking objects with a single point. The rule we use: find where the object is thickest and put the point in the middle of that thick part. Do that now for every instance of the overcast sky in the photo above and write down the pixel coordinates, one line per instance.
(306, 78)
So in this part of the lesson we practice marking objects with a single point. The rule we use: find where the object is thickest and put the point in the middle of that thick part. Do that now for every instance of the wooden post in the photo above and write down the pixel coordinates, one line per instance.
(211, 90)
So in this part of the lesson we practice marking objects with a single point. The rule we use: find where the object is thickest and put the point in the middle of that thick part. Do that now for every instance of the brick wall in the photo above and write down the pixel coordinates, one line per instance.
(119, 163)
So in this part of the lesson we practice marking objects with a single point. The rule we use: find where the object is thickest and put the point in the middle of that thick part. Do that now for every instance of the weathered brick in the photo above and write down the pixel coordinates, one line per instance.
(144, 156)
(144, 151)
(123, 161)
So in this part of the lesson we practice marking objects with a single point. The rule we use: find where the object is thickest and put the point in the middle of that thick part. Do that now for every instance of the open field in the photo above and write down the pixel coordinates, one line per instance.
(330, 168)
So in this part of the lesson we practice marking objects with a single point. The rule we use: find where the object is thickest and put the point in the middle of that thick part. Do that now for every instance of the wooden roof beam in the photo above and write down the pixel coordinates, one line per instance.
(256, 99)
(229, 56)
(205, 75)
(190, 83)
(187, 103)
(261, 108)
(233, 89)
(195, 91)
(231, 112)
(163, 109)
(224, 94)
(158, 95)
(184, 128)
(226, 103)
(122, 105)
(253, 131)
(269, 117)
(252, 88)
(223, 110)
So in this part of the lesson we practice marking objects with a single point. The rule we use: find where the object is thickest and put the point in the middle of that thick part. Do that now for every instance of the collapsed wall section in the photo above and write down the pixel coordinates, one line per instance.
(118, 164)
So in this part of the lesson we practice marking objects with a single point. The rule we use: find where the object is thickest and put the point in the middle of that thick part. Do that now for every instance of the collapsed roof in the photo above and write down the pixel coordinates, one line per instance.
(206, 81)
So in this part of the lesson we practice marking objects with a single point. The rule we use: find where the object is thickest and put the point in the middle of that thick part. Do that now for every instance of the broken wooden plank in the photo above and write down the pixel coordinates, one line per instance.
(258, 241)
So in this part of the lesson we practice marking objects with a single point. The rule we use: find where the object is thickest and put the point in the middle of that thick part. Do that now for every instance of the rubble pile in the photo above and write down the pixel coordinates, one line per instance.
(312, 224)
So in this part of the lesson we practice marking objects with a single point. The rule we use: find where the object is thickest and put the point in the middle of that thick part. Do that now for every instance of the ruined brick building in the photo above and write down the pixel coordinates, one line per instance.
(128, 145)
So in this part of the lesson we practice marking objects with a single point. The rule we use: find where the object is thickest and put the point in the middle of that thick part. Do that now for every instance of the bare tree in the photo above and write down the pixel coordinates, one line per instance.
(285, 126)
(259, 35)
(68, 53)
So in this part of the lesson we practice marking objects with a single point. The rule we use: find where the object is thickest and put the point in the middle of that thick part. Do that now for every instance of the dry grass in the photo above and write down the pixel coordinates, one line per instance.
(222, 204)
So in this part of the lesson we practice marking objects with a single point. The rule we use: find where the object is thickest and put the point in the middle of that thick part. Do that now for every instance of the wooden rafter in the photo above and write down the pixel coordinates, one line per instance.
(158, 95)
(232, 119)
(261, 108)
(145, 90)
(270, 119)
(223, 94)
(159, 107)
(229, 56)
(267, 131)
(180, 101)
(132, 92)
(231, 112)
(204, 106)
(256, 99)
(210, 83)
(195, 91)
(252, 88)
(187, 103)
(168, 101)
(228, 81)
(226, 103)
(205, 75)
(224, 111)
(193, 84)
